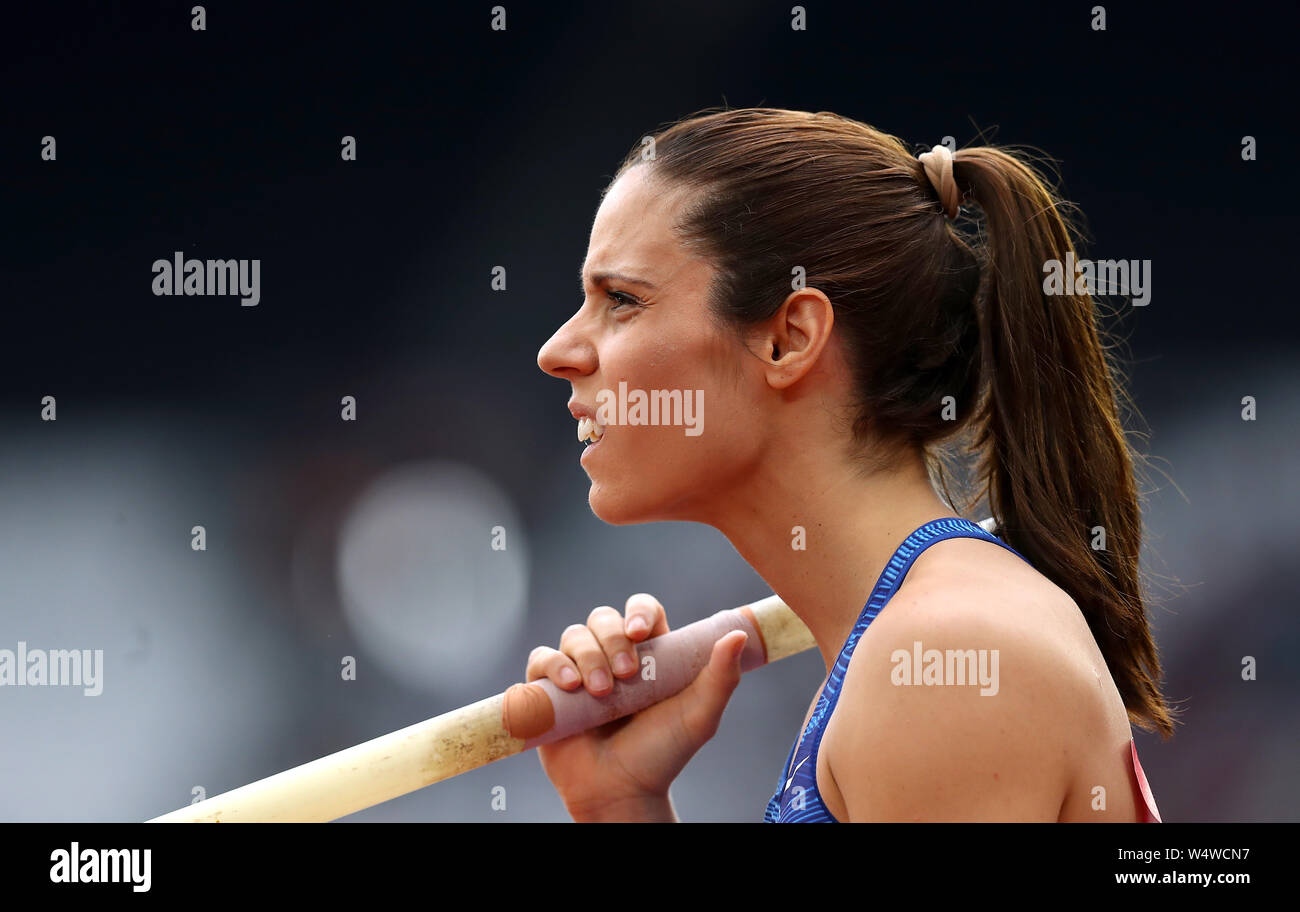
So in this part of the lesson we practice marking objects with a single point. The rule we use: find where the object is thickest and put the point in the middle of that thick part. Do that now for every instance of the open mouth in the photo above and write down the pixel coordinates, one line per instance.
(589, 431)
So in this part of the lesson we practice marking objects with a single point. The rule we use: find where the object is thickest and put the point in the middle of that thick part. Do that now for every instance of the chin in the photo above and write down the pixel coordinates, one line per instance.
(654, 478)
(625, 505)
(615, 509)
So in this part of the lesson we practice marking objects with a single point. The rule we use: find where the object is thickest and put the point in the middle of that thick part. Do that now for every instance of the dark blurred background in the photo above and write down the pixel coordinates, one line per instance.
(476, 149)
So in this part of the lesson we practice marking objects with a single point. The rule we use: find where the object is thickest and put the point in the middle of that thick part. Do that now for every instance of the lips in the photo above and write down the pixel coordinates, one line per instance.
(589, 429)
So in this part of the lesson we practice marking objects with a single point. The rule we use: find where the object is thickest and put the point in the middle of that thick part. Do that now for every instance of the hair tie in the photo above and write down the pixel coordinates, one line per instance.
(938, 168)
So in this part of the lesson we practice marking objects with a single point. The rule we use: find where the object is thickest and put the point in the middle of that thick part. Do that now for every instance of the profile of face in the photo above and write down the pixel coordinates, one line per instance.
(644, 325)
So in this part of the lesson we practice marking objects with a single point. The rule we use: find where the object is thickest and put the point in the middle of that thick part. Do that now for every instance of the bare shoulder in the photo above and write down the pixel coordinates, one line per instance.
(970, 697)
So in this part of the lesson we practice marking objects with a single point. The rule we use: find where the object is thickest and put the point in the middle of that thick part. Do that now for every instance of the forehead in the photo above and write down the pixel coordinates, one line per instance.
(632, 231)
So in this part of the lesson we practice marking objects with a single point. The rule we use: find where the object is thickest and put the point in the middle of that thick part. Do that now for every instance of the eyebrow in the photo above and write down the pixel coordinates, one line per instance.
(599, 277)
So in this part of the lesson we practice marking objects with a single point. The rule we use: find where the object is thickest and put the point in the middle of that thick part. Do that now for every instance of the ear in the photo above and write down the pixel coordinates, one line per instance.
(792, 339)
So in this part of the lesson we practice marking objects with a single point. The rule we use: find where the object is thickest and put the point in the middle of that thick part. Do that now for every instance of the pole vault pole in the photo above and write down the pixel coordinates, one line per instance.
(519, 719)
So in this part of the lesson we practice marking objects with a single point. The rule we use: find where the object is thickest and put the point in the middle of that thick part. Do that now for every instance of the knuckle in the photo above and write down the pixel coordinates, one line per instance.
(538, 661)
(572, 631)
(588, 658)
(604, 612)
(643, 600)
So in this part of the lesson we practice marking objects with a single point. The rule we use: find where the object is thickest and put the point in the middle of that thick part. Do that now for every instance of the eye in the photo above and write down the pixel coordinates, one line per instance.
(621, 299)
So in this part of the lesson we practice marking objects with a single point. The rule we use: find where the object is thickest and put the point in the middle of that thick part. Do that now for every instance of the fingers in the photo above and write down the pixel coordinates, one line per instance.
(620, 655)
(580, 644)
(545, 662)
(644, 617)
(603, 649)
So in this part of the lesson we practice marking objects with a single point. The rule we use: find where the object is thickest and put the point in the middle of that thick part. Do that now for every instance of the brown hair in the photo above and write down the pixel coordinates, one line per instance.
(928, 309)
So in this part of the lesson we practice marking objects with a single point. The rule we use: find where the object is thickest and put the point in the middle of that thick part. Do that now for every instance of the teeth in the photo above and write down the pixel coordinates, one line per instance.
(589, 429)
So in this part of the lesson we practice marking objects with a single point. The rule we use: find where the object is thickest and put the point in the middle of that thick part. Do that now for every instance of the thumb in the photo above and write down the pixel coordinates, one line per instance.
(708, 694)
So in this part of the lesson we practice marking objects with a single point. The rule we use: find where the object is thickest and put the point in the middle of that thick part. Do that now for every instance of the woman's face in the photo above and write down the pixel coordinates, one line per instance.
(644, 335)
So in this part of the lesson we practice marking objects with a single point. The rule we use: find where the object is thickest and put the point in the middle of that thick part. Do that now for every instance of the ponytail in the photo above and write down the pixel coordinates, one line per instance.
(1054, 462)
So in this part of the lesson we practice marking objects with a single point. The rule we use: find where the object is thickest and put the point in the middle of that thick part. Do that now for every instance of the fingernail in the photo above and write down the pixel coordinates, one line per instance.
(568, 677)
(623, 663)
(599, 680)
(636, 625)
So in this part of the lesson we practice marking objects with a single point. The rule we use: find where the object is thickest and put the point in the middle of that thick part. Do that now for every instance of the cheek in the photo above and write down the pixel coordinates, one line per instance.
(697, 368)
(699, 357)
(713, 438)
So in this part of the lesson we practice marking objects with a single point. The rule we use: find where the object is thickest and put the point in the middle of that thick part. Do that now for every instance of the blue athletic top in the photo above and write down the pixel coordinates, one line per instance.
(796, 799)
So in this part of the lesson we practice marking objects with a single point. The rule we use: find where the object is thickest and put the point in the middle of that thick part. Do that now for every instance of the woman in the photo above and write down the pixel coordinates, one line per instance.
(802, 277)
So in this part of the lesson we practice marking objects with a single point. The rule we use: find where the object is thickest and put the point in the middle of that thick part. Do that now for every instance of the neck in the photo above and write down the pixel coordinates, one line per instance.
(852, 523)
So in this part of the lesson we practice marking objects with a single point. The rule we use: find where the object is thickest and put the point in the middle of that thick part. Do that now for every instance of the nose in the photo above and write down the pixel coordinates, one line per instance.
(569, 353)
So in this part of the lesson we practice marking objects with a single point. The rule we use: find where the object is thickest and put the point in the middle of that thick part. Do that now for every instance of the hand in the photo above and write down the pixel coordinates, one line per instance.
(622, 770)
